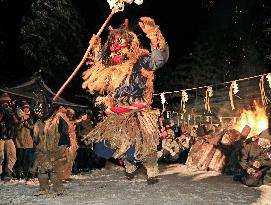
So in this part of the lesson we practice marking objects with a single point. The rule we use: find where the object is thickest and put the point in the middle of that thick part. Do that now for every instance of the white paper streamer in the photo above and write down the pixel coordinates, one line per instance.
(235, 87)
(163, 101)
(268, 77)
(208, 94)
(233, 91)
(184, 100)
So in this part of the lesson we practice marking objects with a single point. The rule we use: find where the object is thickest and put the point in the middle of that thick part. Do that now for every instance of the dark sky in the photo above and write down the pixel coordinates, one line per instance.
(182, 23)
(179, 24)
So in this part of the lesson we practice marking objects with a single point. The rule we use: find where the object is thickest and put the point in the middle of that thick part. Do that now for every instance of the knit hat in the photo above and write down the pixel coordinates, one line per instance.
(24, 104)
(5, 97)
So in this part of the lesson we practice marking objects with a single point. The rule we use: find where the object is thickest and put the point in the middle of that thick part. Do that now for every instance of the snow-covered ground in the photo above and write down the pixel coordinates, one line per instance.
(178, 185)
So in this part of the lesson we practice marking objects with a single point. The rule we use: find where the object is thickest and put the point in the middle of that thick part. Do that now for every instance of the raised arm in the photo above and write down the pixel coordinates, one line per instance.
(159, 48)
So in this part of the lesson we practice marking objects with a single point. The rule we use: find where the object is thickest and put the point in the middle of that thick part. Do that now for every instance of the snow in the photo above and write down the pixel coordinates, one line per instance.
(177, 185)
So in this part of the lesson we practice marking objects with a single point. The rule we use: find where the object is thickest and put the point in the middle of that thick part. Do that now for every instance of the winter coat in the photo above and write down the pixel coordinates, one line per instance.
(252, 152)
(24, 136)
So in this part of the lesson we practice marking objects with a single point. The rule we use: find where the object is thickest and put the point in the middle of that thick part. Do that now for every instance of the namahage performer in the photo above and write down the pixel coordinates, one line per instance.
(122, 73)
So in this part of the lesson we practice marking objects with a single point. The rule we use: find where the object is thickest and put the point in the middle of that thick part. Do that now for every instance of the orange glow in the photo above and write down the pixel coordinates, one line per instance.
(257, 120)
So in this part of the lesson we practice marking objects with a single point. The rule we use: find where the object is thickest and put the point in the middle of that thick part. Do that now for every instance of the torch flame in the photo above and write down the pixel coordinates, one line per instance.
(257, 120)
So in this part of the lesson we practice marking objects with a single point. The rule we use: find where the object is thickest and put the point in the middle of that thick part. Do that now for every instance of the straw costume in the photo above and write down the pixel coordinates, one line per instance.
(122, 73)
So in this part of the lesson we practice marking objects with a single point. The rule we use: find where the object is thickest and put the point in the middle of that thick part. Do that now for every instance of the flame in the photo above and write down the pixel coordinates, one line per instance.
(257, 120)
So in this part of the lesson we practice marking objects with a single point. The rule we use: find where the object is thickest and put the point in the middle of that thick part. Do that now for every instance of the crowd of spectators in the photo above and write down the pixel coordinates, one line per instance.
(218, 148)
(18, 119)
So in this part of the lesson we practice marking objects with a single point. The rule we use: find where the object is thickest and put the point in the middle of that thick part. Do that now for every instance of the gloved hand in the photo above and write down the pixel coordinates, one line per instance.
(95, 41)
(147, 25)
(153, 32)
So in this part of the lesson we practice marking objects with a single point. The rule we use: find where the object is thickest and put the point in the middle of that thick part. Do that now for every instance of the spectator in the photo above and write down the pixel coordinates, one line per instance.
(170, 148)
(8, 124)
(201, 131)
(84, 159)
(256, 161)
(24, 140)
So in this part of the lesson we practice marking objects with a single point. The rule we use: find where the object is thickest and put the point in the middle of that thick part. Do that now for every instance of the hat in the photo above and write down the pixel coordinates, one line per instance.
(23, 104)
(265, 134)
(5, 97)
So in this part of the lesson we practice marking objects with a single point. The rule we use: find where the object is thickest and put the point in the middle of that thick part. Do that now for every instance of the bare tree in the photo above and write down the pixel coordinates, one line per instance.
(52, 38)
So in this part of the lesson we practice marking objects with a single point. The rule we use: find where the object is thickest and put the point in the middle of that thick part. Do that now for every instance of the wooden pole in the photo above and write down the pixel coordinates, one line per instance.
(84, 57)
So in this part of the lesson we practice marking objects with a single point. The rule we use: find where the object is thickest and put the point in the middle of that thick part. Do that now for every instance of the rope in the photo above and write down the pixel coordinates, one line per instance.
(206, 86)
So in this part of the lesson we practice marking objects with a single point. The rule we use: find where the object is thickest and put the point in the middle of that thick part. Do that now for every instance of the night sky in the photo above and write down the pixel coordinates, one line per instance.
(179, 24)
(182, 25)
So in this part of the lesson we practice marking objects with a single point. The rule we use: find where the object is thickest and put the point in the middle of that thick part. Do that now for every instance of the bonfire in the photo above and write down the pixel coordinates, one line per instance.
(256, 119)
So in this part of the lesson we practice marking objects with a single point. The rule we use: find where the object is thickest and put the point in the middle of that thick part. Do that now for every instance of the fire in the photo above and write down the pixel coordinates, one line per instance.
(257, 120)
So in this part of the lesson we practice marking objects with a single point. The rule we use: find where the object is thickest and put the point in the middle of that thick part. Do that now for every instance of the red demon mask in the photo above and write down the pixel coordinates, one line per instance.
(118, 44)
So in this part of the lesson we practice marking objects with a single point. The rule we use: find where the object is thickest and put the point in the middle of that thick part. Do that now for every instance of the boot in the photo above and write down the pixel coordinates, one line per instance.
(44, 185)
(54, 194)
(58, 189)
(41, 192)
(7, 176)
(129, 176)
(152, 180)
(29, 176)
(20, 175)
